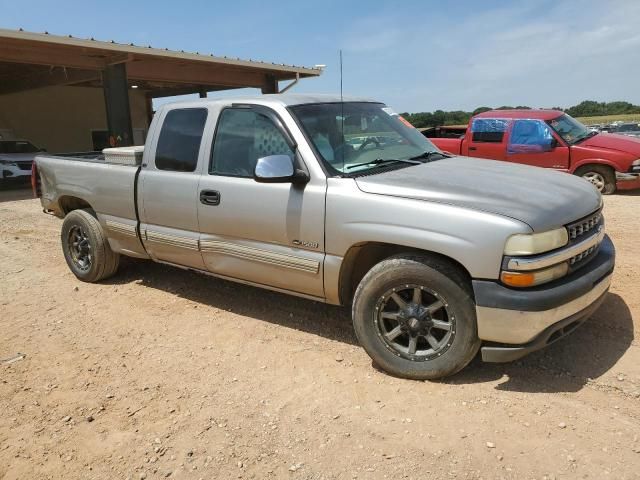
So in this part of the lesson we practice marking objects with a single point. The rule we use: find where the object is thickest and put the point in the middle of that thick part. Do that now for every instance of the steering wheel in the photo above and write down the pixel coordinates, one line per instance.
(367, 141)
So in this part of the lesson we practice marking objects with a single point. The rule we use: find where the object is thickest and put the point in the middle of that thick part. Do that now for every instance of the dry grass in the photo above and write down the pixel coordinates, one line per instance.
(627, 117)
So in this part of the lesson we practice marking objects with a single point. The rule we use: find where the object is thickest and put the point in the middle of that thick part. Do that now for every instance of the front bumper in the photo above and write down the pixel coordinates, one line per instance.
(518, 322)
(627, 181)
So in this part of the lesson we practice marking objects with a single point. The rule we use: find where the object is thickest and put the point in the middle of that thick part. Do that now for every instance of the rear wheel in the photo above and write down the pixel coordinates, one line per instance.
(601, 176)
(86, 248)
(415, 317)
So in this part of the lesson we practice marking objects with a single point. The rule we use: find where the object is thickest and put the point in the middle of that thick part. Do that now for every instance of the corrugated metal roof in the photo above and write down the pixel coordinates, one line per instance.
(113, 46)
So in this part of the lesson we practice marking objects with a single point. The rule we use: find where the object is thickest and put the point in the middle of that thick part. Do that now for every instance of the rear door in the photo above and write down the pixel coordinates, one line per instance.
(486, 138)
(264, 233)
(168, 194)
(533, 142)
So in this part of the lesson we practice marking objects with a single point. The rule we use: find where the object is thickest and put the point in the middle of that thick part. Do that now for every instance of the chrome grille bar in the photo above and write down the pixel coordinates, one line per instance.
(584, 226)
(549, 259)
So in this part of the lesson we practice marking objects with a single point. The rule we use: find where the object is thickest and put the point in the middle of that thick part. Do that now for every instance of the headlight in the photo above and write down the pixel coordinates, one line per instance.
(536, 277)
(9, 163)
(530, 244)
(635, 166)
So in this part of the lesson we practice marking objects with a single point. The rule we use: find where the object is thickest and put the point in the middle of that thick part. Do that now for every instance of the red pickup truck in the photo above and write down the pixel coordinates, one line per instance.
(550, 139)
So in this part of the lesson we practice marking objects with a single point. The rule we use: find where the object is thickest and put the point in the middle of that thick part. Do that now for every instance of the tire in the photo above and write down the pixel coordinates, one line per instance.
(438, 282)
(601, 176)
(85, 247)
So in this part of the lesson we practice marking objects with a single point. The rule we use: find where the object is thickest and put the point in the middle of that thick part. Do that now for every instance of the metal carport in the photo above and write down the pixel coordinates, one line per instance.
(35, 60)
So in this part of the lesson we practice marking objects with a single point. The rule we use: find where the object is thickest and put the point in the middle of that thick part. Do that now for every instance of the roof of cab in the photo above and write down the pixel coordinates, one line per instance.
(287, 99)
(304, 98)
(522, 113)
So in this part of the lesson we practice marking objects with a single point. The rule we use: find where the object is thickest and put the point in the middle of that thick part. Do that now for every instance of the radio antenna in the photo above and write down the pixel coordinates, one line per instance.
(341, 76)
(342, 140)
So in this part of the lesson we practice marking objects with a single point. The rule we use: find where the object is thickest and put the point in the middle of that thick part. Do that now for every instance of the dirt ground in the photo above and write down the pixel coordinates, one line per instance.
(161, 373)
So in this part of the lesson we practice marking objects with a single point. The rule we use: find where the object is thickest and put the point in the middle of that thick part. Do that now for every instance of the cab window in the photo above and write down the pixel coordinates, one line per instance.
(488, 130)
(242, 137)
(530, 136)
(180, 138)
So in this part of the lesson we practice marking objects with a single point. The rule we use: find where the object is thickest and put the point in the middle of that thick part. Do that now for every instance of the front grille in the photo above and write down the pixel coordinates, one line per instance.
(579, 231)
(24, 165)
(581, 227)
(582, 255)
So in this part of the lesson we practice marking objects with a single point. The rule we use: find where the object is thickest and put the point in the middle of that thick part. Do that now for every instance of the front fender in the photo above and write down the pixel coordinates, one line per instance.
(475, 239)
(595, 161)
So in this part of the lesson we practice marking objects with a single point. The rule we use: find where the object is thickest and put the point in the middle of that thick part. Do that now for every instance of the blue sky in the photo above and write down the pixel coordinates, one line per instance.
(413, 55)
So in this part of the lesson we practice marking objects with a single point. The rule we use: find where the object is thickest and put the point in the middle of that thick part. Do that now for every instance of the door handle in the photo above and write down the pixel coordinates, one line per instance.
(210, 197)
(472, 148)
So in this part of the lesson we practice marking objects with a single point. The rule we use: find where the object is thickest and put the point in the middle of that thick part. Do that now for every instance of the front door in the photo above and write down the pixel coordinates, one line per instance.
(532, 142)
(264, 233)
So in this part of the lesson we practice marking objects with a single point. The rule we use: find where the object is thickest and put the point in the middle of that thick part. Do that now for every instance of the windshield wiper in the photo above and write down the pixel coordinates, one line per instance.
(378, 162)
(427, 155)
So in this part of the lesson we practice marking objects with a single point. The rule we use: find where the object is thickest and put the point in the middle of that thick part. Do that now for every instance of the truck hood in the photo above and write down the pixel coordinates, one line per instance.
(613, 141)
(543, 199)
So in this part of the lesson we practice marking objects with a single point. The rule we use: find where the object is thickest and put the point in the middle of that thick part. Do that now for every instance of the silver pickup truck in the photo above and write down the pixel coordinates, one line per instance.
(344, 202)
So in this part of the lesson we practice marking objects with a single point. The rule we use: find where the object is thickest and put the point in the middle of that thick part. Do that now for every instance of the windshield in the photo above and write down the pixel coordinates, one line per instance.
(353, 137)
(570, 129)
(17, 146)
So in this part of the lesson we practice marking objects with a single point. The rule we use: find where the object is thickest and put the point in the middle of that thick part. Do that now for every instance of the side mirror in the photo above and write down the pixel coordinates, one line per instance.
(554, 143)
(278, 169)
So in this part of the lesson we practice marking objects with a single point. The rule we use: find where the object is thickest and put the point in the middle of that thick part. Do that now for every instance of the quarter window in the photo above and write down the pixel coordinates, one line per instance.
(244, 136)
(180, 138)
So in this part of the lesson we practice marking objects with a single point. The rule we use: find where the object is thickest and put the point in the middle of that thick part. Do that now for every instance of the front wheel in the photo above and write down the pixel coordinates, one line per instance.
(601, 176)
(415, 317)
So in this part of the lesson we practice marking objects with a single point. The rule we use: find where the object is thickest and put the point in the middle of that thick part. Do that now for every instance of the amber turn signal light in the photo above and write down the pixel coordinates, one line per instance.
(518, 279)
(536, 277)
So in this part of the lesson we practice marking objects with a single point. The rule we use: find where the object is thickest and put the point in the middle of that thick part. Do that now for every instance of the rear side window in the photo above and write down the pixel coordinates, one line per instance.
(243, 136)
(180, 138)
(488, 130)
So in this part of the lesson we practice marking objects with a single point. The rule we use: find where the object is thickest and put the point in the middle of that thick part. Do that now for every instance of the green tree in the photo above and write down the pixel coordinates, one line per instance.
(481, 110)
(587, 108)
(438, 118)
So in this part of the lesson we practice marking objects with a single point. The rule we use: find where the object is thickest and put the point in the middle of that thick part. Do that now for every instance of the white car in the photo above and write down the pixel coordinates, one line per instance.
(16, 158)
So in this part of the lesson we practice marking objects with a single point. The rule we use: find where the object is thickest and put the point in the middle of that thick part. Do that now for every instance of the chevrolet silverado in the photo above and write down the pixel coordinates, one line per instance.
(342, 201)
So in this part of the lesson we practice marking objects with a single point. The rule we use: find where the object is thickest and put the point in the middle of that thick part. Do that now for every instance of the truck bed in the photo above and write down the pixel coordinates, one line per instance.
(444, 132)
(95, 155)
(447, 139)
(449, 145)
(65, 177)
(88, 180)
